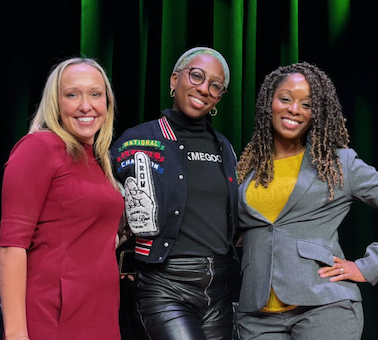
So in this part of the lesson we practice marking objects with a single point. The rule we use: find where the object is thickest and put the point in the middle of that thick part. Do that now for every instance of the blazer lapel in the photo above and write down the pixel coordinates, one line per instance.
(307, 175)
(243, 200)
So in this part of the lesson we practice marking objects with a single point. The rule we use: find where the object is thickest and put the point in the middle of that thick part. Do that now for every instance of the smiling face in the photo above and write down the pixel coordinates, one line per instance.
(291, 108)
(195, 101)
(82, 101)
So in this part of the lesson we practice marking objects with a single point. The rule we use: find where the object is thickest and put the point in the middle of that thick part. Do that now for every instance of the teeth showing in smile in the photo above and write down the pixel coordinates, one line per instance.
(197, 100)
(291, 122)
(85, 119)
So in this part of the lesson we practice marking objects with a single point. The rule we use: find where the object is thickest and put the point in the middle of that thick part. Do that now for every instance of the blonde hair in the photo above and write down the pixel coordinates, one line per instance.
(47, 117)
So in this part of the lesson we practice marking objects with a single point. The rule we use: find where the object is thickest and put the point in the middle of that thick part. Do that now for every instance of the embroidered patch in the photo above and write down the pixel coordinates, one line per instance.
(154, 166)
(142, 142)
(140, 199)
(156, 156)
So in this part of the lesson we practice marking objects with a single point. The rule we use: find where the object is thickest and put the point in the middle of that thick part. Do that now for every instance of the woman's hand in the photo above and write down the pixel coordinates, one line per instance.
(342, 270)
(124, 232)
(129, 277)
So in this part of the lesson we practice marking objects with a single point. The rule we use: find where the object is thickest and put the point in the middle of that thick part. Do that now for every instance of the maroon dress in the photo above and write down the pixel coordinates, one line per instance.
(66, 215)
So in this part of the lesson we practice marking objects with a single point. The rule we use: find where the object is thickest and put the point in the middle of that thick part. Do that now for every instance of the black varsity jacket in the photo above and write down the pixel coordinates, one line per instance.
(150, 162)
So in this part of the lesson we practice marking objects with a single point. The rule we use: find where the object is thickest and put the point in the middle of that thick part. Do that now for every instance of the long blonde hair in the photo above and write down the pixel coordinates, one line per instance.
(47, 117)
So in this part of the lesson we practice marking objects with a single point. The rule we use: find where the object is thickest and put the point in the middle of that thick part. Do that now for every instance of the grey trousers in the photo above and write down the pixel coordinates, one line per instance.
(341, 320)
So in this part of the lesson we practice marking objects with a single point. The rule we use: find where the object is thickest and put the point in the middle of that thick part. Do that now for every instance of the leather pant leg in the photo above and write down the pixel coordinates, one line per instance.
(185, 298)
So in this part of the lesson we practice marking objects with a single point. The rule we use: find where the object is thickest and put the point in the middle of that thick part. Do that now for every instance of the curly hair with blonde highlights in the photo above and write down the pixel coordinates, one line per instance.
(326, 134)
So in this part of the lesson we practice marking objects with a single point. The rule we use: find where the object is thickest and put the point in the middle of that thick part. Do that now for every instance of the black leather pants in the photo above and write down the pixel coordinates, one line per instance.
(185, 299)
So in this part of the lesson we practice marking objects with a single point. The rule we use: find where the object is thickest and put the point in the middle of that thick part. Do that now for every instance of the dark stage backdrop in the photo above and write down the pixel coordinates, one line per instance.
(138, 43)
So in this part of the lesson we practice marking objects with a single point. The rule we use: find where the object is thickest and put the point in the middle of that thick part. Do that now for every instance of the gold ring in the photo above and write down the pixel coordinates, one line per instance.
(341, 270)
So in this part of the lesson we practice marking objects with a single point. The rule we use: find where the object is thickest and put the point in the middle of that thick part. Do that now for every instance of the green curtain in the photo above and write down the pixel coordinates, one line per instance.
(138, 43)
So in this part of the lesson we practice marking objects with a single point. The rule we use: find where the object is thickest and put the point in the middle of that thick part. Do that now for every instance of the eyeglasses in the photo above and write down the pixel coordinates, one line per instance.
(197, 76)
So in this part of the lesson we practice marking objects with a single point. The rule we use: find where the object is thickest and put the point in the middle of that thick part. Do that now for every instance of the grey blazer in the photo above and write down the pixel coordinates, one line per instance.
(288, 253)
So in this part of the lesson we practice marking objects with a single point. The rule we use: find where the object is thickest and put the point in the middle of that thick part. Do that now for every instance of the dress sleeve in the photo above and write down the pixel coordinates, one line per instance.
(27, 178)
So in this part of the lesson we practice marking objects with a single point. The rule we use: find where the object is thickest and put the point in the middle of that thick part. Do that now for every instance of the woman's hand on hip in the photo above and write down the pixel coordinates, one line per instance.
(342, 270)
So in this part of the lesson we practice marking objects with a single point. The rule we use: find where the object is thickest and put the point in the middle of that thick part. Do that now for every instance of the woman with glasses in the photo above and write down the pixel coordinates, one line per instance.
(181, 205)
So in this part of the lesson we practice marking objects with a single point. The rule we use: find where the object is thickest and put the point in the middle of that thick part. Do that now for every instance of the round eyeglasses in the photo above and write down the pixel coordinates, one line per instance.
(197, 76)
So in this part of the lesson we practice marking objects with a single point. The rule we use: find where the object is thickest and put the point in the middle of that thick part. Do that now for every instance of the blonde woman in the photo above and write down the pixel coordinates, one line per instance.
(60, 214)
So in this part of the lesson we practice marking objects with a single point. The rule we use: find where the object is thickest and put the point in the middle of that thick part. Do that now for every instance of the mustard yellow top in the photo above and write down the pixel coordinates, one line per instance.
(270, 201)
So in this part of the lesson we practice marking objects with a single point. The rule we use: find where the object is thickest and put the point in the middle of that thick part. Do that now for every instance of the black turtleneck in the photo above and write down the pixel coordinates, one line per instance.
(203, 231)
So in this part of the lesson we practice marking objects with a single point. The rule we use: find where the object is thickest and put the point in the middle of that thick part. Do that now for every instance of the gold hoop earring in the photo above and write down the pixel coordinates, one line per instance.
(172, 93)
(213, 112)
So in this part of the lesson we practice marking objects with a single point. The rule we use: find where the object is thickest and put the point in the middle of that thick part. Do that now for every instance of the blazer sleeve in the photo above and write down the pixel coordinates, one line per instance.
(363, 181)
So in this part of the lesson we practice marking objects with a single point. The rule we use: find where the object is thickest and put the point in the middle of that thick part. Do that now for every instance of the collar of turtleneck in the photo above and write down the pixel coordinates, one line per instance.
(181, 121)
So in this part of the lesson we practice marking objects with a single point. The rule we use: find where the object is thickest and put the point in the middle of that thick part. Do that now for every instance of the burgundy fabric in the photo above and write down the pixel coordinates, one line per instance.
(66, 215)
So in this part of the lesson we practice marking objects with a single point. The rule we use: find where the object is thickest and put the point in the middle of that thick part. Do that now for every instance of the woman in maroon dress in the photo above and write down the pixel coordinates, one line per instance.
(60, 214)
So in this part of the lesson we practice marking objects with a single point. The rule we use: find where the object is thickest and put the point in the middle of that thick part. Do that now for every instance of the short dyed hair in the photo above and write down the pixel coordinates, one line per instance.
(193, 52)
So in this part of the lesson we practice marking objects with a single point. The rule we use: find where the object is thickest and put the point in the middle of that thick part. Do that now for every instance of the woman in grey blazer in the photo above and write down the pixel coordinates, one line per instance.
(298, 179)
